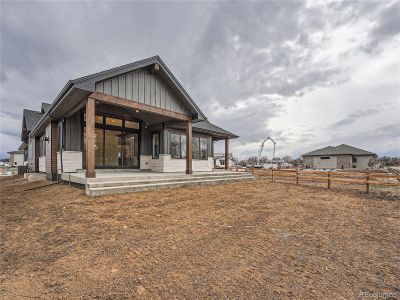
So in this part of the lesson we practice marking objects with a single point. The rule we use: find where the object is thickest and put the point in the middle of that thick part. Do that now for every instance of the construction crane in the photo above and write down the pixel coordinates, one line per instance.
(261, 149)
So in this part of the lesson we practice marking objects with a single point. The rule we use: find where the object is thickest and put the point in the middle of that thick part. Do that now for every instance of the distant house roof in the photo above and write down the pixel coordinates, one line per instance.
(23, 146)
(342, 149)
(16, 152)
(209, 127)
(31, 118)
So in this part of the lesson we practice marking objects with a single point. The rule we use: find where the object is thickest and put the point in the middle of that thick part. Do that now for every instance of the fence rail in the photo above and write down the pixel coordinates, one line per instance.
(367, 179)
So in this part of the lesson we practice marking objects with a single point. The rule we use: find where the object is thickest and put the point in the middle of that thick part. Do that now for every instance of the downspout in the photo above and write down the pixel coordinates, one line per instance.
(62, 146)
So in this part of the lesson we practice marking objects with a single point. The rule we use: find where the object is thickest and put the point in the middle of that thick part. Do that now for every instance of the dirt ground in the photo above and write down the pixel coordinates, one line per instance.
(236, 241)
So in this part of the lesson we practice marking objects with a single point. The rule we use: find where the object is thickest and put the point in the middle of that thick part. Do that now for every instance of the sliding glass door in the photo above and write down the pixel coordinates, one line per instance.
(117, 143)
(112, 148)
(130, 150)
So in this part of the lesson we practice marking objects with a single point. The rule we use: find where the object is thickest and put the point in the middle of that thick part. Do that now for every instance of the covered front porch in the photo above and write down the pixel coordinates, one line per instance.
(128, 135)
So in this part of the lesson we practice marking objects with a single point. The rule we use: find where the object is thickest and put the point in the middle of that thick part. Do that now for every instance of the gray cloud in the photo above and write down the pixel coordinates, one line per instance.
(387, 26)
(353, 117)
(391, 131)
(240, 61)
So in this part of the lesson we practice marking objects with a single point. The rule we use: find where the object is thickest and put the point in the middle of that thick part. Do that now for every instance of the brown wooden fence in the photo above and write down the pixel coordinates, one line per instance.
(329, 177)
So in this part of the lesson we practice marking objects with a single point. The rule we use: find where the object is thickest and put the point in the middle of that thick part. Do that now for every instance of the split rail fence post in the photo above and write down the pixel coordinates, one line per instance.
(329, 179)
(297, 176)
(367, 183)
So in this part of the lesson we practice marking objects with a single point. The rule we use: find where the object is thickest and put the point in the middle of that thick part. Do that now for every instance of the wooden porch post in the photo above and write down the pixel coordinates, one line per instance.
(226, 153)
(37, 154)
(189, 147)
(90, 137)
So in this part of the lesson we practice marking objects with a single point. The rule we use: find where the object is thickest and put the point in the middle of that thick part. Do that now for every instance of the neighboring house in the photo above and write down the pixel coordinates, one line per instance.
(276, 164)
(137, 116)
(16, 158)
(219, 160)
(339, 157)
(30, 119)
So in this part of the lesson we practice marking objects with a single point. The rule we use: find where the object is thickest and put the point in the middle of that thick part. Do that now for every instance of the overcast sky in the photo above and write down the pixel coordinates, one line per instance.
(309, 74)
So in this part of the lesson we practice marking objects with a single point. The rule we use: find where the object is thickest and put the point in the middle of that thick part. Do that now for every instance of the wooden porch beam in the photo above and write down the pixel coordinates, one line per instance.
(90, 137)
(189, 144)
(132, 104)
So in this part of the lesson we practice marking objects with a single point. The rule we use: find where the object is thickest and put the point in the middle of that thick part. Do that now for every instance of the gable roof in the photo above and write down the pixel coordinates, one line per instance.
(45, 107)
(342, 149)
(31, 117)
(86, 84)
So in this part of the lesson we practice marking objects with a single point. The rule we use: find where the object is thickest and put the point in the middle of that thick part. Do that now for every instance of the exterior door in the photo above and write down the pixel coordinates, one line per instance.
(117, 143)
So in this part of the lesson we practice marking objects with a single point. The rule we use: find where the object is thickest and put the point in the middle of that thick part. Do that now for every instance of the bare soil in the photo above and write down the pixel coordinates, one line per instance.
(241, 240)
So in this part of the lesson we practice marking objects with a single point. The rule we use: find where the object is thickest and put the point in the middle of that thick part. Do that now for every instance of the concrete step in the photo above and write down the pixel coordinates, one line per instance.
(123, 189)
(131, 182)
(151, 176)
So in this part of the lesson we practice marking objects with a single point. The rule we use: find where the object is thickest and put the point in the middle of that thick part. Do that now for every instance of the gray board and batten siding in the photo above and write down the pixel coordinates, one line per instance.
(143, 87)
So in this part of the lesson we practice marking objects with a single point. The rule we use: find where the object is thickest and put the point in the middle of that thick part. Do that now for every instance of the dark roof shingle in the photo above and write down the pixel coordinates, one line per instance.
(207, 126)
(31, 118)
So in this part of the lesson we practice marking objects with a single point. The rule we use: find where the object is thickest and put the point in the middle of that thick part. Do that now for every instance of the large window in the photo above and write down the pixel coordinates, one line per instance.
(203, 148)
(116, 122)
(113, 122)
(132, 124)
(177, 146)
(155, 144)
(196, 147)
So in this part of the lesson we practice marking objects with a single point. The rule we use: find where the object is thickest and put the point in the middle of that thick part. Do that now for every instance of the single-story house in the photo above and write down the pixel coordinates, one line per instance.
(339, 157)
(16, 158)
(136, 116)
